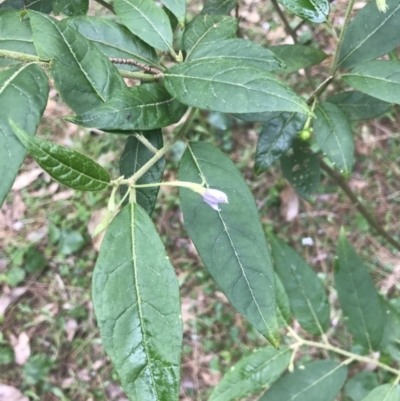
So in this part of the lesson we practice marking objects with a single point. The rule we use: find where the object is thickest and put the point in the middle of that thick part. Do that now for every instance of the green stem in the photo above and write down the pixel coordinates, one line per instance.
(139, 75)
(146, 143)
(185, 184)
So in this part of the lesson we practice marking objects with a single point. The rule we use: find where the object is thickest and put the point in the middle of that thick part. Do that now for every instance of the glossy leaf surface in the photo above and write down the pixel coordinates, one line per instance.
(306, 294)
(370, 34)
(23, 97)
(44, 6)
(334, 136)
(386, 392)
(252, 373)
(218, 7)
(142, 107)
(310, 10)
(282, 300)
(231, 241)
(134, 157)
(359, 106)
(276, 138)
(136, 301)
(147, 21)
(230, 88)
(320, 380)
(82, 74)
(115, 40)
(70, 7)
(71, 168)
(380, 79)
(358, 297)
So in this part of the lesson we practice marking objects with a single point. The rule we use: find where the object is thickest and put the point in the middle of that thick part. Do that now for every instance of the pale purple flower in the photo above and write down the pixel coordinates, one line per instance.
(213, 197)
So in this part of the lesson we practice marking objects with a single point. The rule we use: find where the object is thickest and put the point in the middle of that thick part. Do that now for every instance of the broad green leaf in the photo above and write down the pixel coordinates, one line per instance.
(334, 136)
(141, 107)
(134, 157)
(82, 74)
(115, 40)
(177, 8)
(24, 90)
(310, 10)
(137, 305)
(301, 168)
(71, 241)
(358, 297)
(204, 30)
(296, 57)
(386, 392)
(380, 79)
(71, 168)
(230, 87)
(231, 241)
(320, 380)
(282, 300)
(359, 106)
(276, 138)
(43, 6)
(360, 385)
(147, 20)
(252, 374)
(233, 50)
(306, 294)
(258, 117)
(391, 333)
(70, 7)
(370, 34)
(218, 7)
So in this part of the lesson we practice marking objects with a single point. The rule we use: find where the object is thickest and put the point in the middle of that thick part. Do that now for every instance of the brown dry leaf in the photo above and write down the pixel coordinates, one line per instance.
(63, 195)
(289, 204)
(10, 393)
(97, 217)
(71, 325)
(21, 347)
(25, 179)
(6, 300)
(250, 17)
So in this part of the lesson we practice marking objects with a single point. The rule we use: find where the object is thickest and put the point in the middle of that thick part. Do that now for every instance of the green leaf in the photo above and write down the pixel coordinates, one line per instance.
(334, 136)
(296, 57)
(360, 385)
(71, 168)
(380, 79)
(320, 380)
(258, 117)
(35, 261)
(306, 294)
(386, 392)
(241, 50)
(301, 168)
(24, 90)
(391, 333)
(115, 40)
(70, 7)
(136, 301)
(359, 106)
(71, 241)
(43, 6)
(218, 7)
(310, 10)
(177, 8)
(252, 374)
(371, 34)
(37, 369)
(276, 138)
(82, 74)
(146, 20)
(230, 242)
(204, 30)
(143, 107)
(134, 157)
(358, 296)
(230, 87)
(282, 300)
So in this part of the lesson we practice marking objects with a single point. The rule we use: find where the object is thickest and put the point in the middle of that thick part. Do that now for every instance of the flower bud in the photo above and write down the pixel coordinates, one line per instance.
(213, 197)
(382, 6)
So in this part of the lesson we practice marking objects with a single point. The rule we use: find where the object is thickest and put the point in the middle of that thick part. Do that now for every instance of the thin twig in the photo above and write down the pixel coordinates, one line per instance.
(282, 16)
(144, 67)
(106, 5)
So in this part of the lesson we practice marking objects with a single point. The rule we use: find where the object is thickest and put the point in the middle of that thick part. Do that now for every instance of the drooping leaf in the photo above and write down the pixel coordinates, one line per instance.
(359, 106)
(358, 297)
(134, 157)
(82, 74)
(379, 78)
(276, 138)
(71, 168)
(386, 392)
(136, 301)
(258, 117)
(319, 380)
(230, 87)
(115, 40)
(147, 21)
(142, 107)
(306, 294)
(218, 7)
(391, 333)
(251, 374)
(334, 136)
(204, 30)
(370, 34)
(231, 242)
(282, 300)
(24, 90)
(360, 385)
(43, 6)
(301, 168)
(296, 57)
(310, 10)
(233, 50)
(177, 8)
(70, 7)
